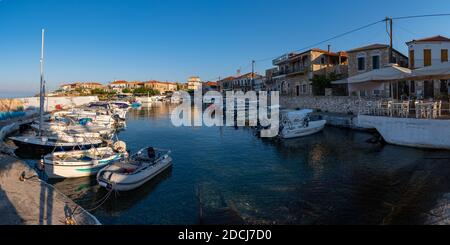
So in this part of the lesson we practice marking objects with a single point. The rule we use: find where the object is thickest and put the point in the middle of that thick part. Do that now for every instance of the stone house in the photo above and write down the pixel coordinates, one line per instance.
(162, 87)
(225, 84)
(246, 82)
(294, 71)
(368, 58)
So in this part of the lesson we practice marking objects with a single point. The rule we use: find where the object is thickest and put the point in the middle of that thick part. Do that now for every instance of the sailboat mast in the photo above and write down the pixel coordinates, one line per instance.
(42, 88)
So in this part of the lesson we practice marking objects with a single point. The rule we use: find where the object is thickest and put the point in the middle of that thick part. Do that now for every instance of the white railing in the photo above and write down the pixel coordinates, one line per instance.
(405, 109)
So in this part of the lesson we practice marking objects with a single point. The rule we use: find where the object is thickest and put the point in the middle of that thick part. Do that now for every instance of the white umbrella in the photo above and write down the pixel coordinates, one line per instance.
(438, 71)
(390, 73)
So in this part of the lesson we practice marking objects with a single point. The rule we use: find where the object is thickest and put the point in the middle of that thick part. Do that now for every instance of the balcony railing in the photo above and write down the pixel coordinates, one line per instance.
(290, 71)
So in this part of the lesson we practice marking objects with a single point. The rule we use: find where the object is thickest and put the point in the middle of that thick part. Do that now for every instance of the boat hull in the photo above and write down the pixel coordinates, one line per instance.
(76, 169)
(411, 132)
(313, 128)
(129, 183)
(39, 149)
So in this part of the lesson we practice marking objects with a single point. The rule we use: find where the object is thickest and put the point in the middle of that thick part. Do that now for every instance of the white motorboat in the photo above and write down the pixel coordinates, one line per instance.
(82, 163)
(75, 129)
(47, 144)
(136, 171)
(298, 124)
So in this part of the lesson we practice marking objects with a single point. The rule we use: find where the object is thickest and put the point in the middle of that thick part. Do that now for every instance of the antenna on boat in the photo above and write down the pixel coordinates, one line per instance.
(42, 88)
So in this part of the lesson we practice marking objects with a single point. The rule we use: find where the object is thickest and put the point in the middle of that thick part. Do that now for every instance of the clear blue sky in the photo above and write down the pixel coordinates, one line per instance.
(100, 40)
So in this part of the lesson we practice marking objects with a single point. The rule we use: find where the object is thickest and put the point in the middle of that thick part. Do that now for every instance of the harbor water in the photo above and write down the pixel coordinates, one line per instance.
(228, 175)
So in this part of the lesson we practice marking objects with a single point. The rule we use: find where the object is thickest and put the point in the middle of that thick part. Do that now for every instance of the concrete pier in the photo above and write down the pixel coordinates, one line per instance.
(27, 200)
(341, 120)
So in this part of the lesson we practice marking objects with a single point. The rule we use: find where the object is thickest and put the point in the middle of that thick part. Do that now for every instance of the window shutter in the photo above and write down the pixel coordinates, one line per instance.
(427, 57)
(444, 55)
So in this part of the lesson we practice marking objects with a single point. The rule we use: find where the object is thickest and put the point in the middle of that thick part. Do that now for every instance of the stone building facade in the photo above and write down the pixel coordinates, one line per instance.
(294, 71)
(368, 58)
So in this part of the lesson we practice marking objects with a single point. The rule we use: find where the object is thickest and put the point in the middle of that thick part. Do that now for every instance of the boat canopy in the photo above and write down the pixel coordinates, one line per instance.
(297, 115)
(390, 73)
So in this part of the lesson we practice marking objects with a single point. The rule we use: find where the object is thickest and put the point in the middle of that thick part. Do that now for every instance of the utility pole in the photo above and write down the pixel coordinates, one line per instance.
(391, 40)
(253, 73)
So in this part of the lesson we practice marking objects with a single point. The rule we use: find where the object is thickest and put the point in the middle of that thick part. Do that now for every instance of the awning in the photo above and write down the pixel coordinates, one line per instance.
(390, 73)
(438, 71)
(342, 81)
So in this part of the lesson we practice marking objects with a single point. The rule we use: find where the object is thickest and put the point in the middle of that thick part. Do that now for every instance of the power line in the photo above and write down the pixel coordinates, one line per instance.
(358, 29)
(329, 39)
(419, 16)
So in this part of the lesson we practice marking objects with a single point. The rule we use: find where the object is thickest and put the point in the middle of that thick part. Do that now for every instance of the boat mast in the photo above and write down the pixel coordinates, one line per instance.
(42, 88)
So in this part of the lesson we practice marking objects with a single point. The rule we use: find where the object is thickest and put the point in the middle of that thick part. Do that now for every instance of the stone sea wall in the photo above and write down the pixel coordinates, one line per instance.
(335, 104)
(50, 102)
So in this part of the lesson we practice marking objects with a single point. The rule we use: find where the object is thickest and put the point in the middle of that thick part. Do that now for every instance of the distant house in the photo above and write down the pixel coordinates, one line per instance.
(91, 85)
(225, 84)
(246, 82)
(69, 87)
(427, 52)
(84, 86)
(209, 86)
(162, 87)
(118, 86)
(135, 85)
(194, 83)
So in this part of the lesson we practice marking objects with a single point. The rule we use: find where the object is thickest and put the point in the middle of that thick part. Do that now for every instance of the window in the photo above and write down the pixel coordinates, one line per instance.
(427, 57)
(322, 60)
(376, 92)
(411, 59)
(444, 55)
(412, 87)
(297, 90)
(361, 64)
(443, 87)
(362, 93)
(375, 62)
(304, 88)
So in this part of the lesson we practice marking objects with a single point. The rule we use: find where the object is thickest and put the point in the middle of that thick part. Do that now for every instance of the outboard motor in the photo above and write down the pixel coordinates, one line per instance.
(120, 146)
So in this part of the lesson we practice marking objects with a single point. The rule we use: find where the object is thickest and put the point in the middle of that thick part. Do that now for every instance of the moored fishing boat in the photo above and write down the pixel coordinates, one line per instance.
(136, 171)
(82, 163)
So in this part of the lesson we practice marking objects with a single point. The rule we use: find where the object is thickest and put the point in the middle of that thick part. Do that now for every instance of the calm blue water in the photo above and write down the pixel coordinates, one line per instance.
(334, 177)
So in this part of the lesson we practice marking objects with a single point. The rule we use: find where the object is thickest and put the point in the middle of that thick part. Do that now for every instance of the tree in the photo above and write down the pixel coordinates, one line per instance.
(126, 90)
(146, 91)
(321, 82)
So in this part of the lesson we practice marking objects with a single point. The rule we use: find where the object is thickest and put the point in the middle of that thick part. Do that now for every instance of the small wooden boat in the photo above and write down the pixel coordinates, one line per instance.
(82, 163)
(136, 171)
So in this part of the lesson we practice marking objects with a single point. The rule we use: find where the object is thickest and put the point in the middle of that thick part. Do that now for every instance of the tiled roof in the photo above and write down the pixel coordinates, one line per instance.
(437, 38)
(119, 82)
(230, 78)
(248, 75)
(369, 47)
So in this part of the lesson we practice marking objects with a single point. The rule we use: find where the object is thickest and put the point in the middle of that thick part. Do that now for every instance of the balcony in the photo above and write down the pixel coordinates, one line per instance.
(291, 71)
